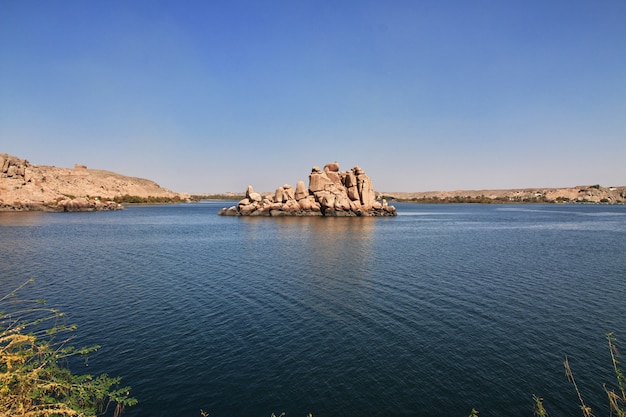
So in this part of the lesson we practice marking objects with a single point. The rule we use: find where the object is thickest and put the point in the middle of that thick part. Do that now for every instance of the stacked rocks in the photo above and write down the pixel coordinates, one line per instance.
(87, 204)
(12, 167)
(330, 193)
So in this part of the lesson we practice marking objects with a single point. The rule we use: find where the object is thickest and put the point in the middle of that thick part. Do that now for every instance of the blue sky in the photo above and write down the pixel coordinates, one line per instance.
(210, 96)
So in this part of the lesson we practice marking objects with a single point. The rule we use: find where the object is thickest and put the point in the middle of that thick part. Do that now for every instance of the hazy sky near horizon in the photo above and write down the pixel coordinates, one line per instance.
(210, 96)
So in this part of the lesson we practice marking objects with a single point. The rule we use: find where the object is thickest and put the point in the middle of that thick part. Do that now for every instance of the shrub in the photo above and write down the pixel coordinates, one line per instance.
(35, 379)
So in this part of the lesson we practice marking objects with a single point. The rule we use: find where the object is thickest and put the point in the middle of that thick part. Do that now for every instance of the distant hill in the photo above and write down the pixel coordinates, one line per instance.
(577, 194)
(32, 187)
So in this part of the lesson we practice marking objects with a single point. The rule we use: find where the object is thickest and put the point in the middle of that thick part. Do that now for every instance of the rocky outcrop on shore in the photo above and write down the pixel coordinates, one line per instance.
(330, 193)
(27, 187)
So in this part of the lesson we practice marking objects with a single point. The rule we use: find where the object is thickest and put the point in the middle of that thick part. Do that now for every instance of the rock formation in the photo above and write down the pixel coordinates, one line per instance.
(25, 187)
(330, 193)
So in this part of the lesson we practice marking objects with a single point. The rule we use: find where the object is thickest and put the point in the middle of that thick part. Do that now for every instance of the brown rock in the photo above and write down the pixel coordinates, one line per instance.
(291, 205)
(301, 191)
(319, 181)
(12, 171)
(334, 177)
(349, 179)
(355, 206)
(288, 193)
(342, 202)
(305, 204)
(252, 195)
(28, 174)
(353, 193)
(331, 167)
(366, 190)
(327, 200)
(246, 209)
(278, 196)
(231, 211)
(260, 212)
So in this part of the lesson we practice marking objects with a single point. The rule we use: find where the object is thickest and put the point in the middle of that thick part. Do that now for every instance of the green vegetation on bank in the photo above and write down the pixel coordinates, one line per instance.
(481, 199)
(488, 200)
(35, 378)
(134, 199)
(592, 194)
(199, 197)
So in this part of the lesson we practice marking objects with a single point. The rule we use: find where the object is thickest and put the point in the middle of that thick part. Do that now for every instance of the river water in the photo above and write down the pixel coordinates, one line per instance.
(439, 310)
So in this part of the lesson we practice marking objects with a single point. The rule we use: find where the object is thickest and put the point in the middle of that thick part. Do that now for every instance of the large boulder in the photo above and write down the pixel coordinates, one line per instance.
(319, 181)
(301, 191)
(366, 190)
(342, 202)
(350, 182)
(278, 196)
(331, 167)
(330, 193)
(252, 195)
(288, 193)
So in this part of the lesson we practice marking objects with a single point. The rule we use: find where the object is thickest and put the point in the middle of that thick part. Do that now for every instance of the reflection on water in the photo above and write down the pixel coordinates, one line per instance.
(319, 258)
(340, 238)
(342, 249)
(327, 240)
(31, 218)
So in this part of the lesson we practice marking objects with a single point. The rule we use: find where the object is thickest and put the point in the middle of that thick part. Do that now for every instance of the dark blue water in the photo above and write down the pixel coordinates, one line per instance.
(432, 313)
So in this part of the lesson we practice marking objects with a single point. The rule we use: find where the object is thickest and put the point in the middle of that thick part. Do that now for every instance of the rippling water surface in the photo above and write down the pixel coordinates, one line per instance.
(432, 313)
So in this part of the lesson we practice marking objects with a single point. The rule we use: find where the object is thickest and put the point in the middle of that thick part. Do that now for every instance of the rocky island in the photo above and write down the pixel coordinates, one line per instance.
(27, 187)
(330, 192)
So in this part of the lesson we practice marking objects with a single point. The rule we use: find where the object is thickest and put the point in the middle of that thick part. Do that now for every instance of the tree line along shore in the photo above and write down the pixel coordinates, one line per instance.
(578, 194)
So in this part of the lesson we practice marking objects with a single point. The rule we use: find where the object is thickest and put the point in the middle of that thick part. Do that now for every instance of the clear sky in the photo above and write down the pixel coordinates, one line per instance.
(210, 96)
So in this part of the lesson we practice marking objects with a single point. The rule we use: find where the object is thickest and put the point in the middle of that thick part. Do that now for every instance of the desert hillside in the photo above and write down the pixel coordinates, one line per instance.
(577, 194)
(33, 187)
